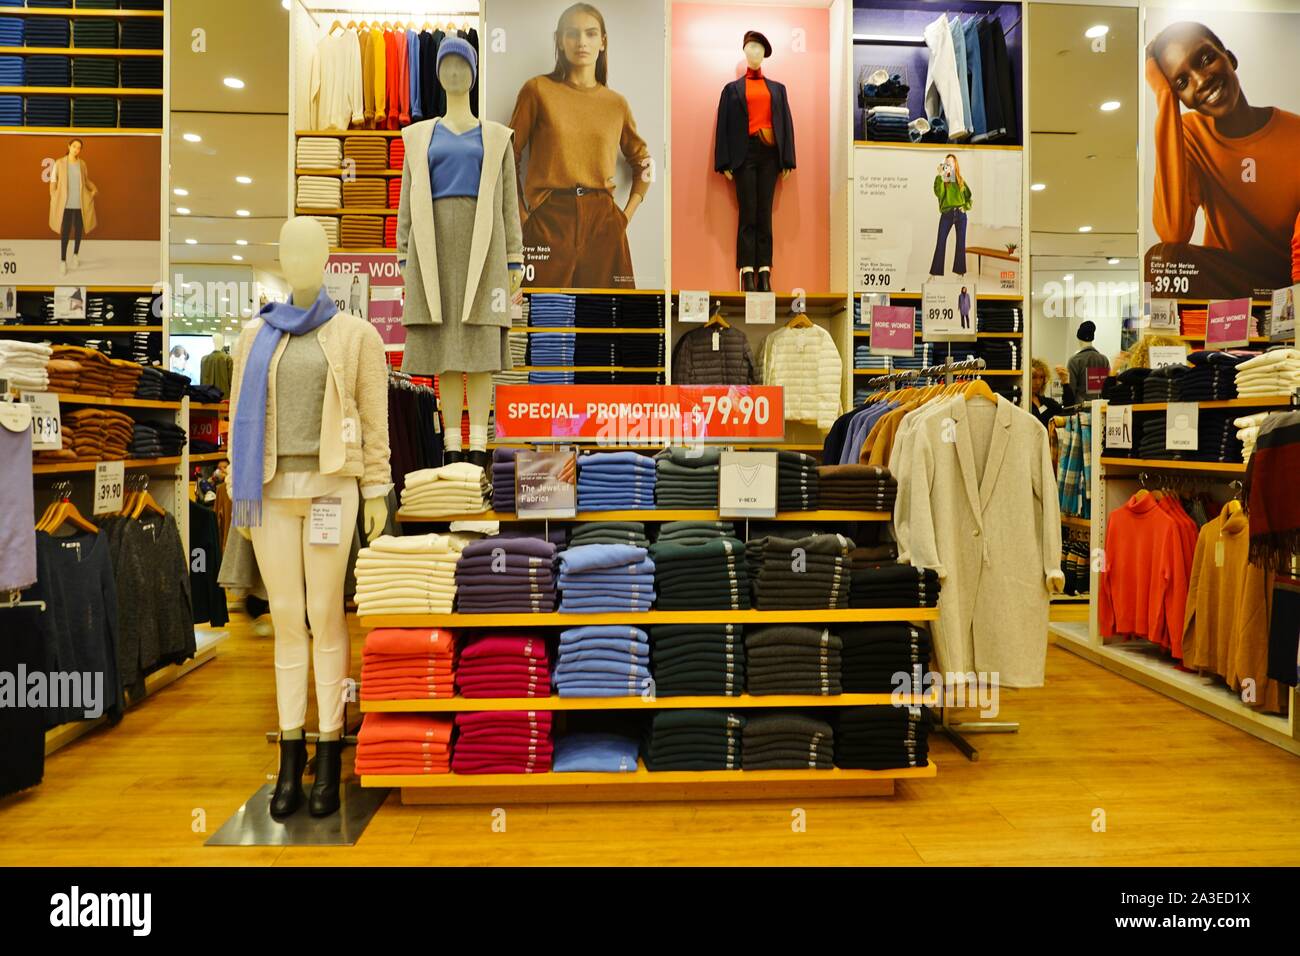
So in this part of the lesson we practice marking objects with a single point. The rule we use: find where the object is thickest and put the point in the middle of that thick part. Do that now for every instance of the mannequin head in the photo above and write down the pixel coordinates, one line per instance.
(581, 43)
(756, 47)
(218, 341)
(304, 250)
(1087, 332)
(455, 75)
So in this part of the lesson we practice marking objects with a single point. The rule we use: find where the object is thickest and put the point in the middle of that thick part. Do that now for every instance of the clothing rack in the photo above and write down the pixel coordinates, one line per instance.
(368, 14)
(947, 369)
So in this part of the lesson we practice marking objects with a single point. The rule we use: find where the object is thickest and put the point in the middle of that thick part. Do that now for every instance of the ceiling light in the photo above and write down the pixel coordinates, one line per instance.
(238, 258)
(1069, 276)
(1038, 187)
(244, 180)
(182, 210)
(1112, 261)
(1085, 228)
(192, 137)
(234, 82)
(242, 212)
(1100, 30)
(191, 242)
(285, 4)
(1110, 106)
(180, 192)
(241, 242)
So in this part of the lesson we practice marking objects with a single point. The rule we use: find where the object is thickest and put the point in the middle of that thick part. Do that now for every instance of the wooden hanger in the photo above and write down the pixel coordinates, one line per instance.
(144, 501)
(717, 318)
(336, 25)
(799, 320)
(65, 512)
(978, 388)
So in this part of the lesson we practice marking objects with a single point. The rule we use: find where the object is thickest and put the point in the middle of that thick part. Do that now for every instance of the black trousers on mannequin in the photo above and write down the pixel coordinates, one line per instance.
(73, 226)
(755, 186)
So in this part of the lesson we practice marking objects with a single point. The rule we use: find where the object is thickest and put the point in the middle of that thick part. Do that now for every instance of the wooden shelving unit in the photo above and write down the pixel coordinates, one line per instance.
(653, 515)
(208, 456)
(72, 399)
(453, 705)
(847, 615)
(1074, 521)
(341, 133)
(346, 211)
(71, 467)
(82, 50)
(91, 330)
(75, 12)
(588, 368)
(79, 90)
(1265, 401)
(359, 173)
(1159, 464)
(83, 130)
(538, 329)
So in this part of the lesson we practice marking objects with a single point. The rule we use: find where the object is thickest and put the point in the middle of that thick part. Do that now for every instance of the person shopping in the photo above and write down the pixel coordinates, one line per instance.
(72, 203)
(953, 193)
(574, 127)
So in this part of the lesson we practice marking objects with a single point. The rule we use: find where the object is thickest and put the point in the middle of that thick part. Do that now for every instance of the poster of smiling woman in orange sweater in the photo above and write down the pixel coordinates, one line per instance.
(1224, 199)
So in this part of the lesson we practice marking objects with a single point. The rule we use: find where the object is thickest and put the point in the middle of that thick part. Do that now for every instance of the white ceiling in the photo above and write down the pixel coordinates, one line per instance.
(244, 132)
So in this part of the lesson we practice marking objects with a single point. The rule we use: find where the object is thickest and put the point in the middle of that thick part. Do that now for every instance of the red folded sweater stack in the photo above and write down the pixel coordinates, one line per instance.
(408, 664)
(504, 665)
(404, 744)
(517, 741)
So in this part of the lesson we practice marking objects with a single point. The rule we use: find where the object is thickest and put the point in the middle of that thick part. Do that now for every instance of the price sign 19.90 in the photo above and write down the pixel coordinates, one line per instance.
(47, 429)
(109, 479)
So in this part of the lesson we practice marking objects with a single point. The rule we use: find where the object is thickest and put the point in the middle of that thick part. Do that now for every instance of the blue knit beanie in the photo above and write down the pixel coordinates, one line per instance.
(457, 46)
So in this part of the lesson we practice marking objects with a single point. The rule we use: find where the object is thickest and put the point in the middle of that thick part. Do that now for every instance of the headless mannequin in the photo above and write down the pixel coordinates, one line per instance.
(754, 60)
(456, 78)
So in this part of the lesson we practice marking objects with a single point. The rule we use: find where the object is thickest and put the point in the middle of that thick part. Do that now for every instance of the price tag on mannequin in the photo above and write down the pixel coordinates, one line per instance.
(326, 521)
(1119, 426)
(109, 479)
(760, 308)
(693, 306)
(47, 428)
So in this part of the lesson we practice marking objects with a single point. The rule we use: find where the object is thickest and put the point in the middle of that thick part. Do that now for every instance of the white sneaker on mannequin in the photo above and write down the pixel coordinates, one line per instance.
(63, 268)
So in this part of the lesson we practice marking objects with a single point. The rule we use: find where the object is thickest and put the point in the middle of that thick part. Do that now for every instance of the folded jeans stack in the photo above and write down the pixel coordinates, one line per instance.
(47, 70)
(875, 654)
(94, 33)
(94, 111)
(606, 579)
(998, 317)
(799, 573)
(687, 478)
(615, 481)
(142, 73)
(411, 574)
(403, 745)
(504, 665)
(798, 482)
(698, 660)
(459, 488)
(701, 574)
(888, 124)
(856, 487)
(500, 575)
(893, 585)
(140, 112)
(11, 33)
(142, 34)
(1127, 389)
(48, 32)
(156, 440)
(408, 664)
(604, 660)
(694, 740)
(882, 737)
(592, 752)
(552, 310)
(792, 659)
(787, 741)
(48, 111)
(516, 741)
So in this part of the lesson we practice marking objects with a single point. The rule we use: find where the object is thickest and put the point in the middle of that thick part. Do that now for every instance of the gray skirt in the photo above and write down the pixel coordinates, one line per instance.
(453, 345)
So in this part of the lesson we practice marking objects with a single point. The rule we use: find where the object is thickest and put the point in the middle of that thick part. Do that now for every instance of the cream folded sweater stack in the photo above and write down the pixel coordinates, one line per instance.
(1276, 372)
(412, 574)
(456, 489)
(23, 364)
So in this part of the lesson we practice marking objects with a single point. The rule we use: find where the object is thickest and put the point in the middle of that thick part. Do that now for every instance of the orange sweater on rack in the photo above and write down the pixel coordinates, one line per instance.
(1144, 579)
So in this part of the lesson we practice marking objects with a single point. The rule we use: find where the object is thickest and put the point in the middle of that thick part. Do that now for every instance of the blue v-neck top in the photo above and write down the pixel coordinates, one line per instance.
(455, 161)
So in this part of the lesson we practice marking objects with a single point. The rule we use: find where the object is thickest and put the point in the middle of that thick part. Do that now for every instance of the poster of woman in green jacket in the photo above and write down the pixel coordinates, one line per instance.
(953, 193)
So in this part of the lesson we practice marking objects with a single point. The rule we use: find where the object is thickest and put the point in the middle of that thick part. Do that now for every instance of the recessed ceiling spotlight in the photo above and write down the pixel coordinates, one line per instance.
(191, 242)
(1069, 276)
(238, 258)
(241, 242)
(182, 210)
(242, 212)
(192, 137)
(180, 192)
(1100, 30)
(1110, 106)
(234, 82)
(1112, 261)
(1085, 228)
(1037, 187)
(244, 180)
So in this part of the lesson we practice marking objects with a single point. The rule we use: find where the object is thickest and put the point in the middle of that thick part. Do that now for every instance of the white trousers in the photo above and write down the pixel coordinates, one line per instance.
(304, 583)
(943, 88)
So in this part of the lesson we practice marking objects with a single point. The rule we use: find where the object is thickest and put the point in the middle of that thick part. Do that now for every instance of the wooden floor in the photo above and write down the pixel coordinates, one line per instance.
(1174, 787)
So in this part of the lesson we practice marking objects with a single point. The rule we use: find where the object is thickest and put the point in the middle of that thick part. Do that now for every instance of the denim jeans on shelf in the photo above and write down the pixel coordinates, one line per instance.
(948, 220)
(975, 72)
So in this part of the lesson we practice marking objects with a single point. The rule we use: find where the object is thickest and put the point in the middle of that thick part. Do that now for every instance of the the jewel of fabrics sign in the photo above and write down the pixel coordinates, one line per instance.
(375, 293)
(640, 414)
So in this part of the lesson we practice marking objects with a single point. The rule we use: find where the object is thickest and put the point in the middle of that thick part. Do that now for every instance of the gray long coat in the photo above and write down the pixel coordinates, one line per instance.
(977, 502)
(497, 239)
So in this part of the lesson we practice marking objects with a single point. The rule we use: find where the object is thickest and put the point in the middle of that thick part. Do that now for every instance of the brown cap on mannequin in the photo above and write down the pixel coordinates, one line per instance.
(756, 37)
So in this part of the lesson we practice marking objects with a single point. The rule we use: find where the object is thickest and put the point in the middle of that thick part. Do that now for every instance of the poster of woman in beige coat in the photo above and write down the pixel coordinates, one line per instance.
(72, 203)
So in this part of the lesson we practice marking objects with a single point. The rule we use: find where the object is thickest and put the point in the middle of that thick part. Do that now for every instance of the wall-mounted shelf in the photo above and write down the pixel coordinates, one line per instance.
(454, 705)
(84, 130)
(78, 50)
(68, 467)
(653, 515)
(1264, 401)
(74, 12)
(1159, 464)
(80, 329)
(386, 133)
(78, 90)
(344, 211)
(67, 398)
(846, 615)
(359, 173)
(539, 329)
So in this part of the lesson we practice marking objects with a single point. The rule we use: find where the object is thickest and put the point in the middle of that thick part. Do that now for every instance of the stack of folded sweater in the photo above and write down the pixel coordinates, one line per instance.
(150, 383)
(48, 32)
(319, 192)
(156, 440)
(93, 434)
(361, 232)
(412, 574)
(503, 479)
(1165, 384)
(142, 34)
(331, 226)
(319, 152)
(11, 33)
(698, 567)
(1127, 388)
(615, 481)
(173, 384)
(792, 659)
(687, 478)
(94, 33)
(504, 665)
(48, 111)
(698, 659)
(551, 310)
(856, 488)
(1276, 372)
(793, 573)
(694, 740)
(999, 317)
(1216, 438)
(603, 660)
(94, 374)
(882, 737)
(47, 70)
(606, 579)
(1248, 432)
(396, 153)
(608, 532)
(998, 353)
(873, 654)
(1213, 376)
(126, 378)
(798, 486)
(23, 364)
(460, 488)
(787, 741)
(365, 192)
(141, 112)
(551, 350)
(408, 664)
(1194, 322)
(207, 394)
(368, 153)
(893, 585)
(515, 741)
(595, 753)
(94, 111)
(403, 745)
(502, 575)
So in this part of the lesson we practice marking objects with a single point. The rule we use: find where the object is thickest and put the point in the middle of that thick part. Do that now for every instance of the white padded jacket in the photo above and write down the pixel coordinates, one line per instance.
(806, 364)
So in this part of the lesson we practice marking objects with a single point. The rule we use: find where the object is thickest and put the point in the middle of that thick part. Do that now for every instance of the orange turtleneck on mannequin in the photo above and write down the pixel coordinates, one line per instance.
(759, 100)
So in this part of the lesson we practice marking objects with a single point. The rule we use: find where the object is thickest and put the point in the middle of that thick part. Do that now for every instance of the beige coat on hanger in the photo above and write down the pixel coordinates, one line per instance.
(59, 196)
(977, 502)
(497, 239)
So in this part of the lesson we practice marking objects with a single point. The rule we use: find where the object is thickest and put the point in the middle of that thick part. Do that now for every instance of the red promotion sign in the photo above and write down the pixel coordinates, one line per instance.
(639, 414)
(205, 426)
(1096, 379)
(1227, 324)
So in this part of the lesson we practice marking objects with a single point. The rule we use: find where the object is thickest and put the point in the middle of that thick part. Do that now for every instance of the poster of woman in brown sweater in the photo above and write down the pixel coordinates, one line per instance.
(1224, 199)
(570, 132)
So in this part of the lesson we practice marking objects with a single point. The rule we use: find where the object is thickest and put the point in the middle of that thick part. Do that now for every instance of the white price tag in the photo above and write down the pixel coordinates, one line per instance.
(326, 521)
(8, 294)
(109, 479)
(47, 427)
(1119, 426)
(1181, 422)
(948, 312)
(760, 308)
(693, 305)
(1164, 315)
(1163, 355)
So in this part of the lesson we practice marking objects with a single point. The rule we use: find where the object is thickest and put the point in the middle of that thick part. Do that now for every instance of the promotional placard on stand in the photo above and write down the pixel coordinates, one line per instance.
(1163, 355)
(760, 308)
(893, 330)
(948, 312)
(1281, 319)
(747, 482)
(693, 305)
(47, 426)
(69, 302)
(546, 484)
(1182, 419)
(1119, 426)
(1164, 315)
(1227, 324)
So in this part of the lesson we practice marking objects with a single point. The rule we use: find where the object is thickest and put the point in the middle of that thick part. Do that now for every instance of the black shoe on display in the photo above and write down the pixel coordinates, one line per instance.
(480, 458)
(747, 281)
(324, 798)
(287, 796)
(451, 457)
(764, 280)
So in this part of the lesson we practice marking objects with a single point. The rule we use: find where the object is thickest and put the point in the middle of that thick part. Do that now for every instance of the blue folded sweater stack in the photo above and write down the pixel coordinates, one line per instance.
(606, 579)
(611, 660)
(616, 481)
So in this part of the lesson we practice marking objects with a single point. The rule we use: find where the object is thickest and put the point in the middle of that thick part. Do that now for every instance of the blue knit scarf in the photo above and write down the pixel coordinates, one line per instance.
(249, 426)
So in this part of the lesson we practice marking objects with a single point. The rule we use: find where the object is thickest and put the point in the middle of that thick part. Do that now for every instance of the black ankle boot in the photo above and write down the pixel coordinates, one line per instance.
(451, 457)
(480, 458)
(324, 798)
(747, 281)
(764, 280)
(287, 796)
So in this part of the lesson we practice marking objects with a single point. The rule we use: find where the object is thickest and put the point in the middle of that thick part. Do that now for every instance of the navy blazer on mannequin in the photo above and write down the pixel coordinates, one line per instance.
(732, 139)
